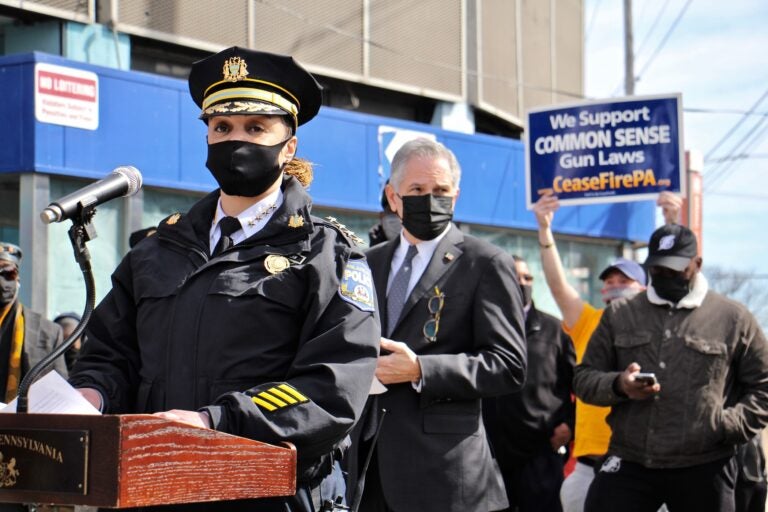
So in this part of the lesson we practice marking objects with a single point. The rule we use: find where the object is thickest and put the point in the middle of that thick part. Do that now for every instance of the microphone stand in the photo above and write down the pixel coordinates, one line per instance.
(82, 231)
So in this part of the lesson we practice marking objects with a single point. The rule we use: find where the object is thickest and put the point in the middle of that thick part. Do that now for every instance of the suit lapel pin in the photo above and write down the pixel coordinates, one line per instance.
(448, 257)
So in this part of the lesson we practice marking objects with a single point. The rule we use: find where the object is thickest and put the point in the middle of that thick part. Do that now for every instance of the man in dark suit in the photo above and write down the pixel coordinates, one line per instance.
(452, 333)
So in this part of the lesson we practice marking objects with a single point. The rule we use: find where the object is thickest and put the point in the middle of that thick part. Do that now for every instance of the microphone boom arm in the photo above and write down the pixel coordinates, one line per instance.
(80, 232)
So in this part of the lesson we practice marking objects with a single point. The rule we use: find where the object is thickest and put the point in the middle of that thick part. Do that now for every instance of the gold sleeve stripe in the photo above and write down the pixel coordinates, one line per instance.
(268, 406)
(266, 396)
(293, 392)
(285, 396)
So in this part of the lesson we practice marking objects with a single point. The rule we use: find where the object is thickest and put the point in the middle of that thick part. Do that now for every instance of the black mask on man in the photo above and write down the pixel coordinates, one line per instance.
(672, 288)
(244, 168)
(8, 288)
(527, 290)
(426, 216)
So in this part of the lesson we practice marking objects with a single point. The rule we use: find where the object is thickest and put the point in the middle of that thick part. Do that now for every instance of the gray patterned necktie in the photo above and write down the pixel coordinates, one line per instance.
(398, 290)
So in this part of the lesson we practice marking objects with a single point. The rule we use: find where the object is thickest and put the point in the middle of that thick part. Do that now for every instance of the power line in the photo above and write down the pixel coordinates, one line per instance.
(742, 156)
(664, 39)
(723, 111)
(736, 126)
(653, 27)
(658, 47)
(759, 197)
(749, 140)
(592, 20)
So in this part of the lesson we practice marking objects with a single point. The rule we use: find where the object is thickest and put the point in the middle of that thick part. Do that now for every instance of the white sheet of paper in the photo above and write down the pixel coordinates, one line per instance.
(51, 394)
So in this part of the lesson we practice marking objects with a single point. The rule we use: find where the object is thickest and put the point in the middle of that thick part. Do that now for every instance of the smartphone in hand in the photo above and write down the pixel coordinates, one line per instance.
(649, 379)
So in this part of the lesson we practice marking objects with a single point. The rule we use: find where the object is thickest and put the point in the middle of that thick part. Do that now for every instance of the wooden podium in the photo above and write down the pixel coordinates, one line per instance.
(134, 460)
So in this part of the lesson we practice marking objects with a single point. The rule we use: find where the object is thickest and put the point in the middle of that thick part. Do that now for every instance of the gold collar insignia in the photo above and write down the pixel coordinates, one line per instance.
(295, 221)
(173, 219)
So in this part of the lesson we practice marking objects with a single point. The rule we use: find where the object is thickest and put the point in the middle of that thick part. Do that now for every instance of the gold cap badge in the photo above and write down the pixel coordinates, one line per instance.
(235, 69)
(173, 219)
(276, 263)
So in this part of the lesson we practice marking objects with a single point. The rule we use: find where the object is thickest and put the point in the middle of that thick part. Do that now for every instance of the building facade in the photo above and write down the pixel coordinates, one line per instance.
(461, 71)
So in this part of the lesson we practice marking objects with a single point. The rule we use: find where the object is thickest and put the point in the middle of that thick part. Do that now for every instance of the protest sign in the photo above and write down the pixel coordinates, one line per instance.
(625, 149)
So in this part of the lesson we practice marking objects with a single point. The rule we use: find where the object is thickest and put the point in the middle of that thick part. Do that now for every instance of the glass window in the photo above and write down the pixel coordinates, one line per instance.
(66, 288)
(158, 204)
(582, 260)
(9, 208)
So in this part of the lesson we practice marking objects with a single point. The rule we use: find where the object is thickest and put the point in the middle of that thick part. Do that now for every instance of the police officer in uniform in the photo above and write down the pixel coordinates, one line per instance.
(246, 314)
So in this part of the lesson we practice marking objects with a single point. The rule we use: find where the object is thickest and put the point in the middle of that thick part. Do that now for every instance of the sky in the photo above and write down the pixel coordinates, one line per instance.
(715, 54)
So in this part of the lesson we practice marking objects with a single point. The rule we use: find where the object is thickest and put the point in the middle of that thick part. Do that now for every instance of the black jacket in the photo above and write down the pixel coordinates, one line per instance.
(276, 357)
(432, 450)
(519, 425)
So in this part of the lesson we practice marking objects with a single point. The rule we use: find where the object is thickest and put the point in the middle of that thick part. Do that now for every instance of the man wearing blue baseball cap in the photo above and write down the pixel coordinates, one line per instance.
(623, 278)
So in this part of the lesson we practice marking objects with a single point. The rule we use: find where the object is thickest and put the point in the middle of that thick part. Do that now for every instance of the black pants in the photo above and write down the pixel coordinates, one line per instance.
(533, 483)
(623, 486)
(751, 496)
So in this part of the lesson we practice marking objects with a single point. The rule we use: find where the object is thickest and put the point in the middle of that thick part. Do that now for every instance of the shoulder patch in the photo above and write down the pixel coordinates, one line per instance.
(357, 285)
(344, 230)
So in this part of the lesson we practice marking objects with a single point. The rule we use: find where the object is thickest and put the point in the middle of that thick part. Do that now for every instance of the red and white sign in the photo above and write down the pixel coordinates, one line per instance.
(66, 96)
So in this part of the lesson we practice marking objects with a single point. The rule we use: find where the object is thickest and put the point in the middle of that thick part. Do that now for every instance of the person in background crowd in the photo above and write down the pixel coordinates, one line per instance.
(453, 333)
(247, 314)
(68, 322)
(529, 430)
(389, 224)
(751, 490)
(622, 278)
(703, 391)
(26, 337)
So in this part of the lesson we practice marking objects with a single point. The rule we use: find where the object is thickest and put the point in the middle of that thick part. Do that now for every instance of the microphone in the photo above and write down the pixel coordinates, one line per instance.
(122, 182)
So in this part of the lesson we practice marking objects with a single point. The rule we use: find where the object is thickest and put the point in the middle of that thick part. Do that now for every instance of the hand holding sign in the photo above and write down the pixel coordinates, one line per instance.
(545, 209)
(671, 205)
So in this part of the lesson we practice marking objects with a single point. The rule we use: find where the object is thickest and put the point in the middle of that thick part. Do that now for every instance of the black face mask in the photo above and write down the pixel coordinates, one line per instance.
(244, 168)
(527, 290)
(426, 216)
(8, 290)
(672, 288)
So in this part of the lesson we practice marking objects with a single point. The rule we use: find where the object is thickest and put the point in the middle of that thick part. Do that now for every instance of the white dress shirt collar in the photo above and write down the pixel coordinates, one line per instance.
(252, 219)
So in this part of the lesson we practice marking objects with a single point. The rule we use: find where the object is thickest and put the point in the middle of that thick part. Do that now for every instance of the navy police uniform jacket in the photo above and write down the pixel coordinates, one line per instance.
(286, 355)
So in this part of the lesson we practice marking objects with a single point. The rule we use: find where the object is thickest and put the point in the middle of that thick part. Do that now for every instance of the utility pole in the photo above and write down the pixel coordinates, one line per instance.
(629, 54)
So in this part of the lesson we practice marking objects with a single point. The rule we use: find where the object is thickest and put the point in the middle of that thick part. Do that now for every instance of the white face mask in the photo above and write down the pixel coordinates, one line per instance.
(618, 292)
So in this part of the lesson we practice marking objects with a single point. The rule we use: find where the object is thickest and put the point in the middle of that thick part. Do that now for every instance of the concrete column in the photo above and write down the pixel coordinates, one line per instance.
(34, 196)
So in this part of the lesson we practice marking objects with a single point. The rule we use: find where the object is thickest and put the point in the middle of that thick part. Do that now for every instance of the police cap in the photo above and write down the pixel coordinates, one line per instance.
(242, 81)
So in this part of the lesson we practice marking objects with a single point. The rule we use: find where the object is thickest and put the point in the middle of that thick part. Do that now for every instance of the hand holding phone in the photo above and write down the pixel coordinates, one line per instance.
(649, 379)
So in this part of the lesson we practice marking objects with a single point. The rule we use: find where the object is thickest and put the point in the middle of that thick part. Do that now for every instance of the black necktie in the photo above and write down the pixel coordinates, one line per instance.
(227, 225)
(398, 290)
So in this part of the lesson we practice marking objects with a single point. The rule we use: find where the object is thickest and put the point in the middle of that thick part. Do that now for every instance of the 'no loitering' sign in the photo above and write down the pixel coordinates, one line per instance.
(626, 149)
(66, 96)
